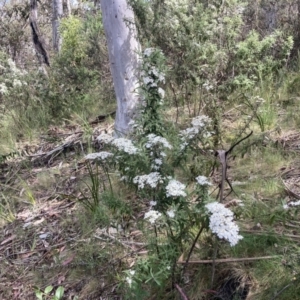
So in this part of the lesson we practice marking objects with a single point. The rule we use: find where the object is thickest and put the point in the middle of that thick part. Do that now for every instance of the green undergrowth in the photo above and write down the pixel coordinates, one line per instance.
(117, 253)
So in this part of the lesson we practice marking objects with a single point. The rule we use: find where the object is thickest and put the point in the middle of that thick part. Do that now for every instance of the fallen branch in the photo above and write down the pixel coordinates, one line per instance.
(227, 260)
(183, 295)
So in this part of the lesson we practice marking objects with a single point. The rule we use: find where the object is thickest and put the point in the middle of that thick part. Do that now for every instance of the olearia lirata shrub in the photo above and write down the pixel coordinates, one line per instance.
(150, 165)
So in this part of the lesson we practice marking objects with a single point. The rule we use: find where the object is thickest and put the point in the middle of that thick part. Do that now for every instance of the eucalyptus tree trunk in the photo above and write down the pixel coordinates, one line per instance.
(123, 48)
(37, 37)
(57, 13)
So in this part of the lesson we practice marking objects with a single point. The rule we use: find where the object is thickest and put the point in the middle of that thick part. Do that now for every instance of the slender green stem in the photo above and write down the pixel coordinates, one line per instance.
(214, 262)
(157, 250)
(191, 250)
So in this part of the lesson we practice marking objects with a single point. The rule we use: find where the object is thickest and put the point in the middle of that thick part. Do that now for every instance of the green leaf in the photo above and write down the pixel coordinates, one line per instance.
(48, 289)
(59, 292)
(39, 295)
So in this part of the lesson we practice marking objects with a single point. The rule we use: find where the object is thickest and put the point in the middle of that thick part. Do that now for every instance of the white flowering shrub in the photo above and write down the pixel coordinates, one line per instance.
(11, 77)
(151, 164)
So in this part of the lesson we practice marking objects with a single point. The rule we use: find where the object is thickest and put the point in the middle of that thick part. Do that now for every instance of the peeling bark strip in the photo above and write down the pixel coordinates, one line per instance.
(37, 38)
(123, 48)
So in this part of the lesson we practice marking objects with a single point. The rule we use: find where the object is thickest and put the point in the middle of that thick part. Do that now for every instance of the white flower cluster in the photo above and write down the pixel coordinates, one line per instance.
(175, 189)
(152, 216)
(105, 138)
(3, 89)
(221, 223)
(151, 179)
(198, 125)
(151, 75)
(155, 140)
(13, 68)
(200, 121)
(130, 277)
(148, 80)
(125, 145)
(12, 75)
(152, 80)
(202, 180)
(17, 83)
(100, 155)
(291, 204)
(154, 73)
(156, 165)
(208, 86)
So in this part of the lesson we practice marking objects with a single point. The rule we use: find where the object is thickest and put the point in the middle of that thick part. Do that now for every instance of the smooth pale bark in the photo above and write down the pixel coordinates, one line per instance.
(123, 47)
(57, 13)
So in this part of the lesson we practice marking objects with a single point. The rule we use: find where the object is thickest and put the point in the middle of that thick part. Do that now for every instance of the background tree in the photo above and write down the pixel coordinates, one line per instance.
(57, 11)
(124, 48)
(38, 40)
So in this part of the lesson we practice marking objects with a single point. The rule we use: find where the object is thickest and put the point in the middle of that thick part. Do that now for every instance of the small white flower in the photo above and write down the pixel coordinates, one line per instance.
(147, 80)
(171, 213)
(175, 189)
(161, 78)
(155, 167)
(183, 145)
(124, 178)
(100, 155)
(202, 180)
(161, 92)
(105, 138)
(148, 51)
(153, 71)
(125, 145)
(291, 204)
(17, 83)
(129, 281)
(153, 203)
(152, 216)
(158, 161)
(129, 278)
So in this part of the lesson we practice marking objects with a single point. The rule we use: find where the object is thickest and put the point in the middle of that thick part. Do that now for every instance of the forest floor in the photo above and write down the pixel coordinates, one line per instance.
(42, 236)
(47, 238)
